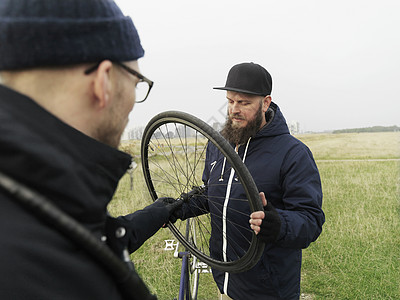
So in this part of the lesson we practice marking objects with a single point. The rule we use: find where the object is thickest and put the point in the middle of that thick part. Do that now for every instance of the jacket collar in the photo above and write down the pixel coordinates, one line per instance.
(39, 150)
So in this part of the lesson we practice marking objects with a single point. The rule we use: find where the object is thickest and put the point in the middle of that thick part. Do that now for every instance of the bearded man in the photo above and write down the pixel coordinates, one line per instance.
(285, 173)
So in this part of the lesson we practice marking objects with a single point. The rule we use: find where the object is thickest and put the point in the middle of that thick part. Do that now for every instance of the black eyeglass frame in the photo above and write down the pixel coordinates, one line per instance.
(129, 70)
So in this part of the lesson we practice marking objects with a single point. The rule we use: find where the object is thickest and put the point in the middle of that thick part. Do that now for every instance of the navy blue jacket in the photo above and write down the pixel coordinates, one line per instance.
(284, 169)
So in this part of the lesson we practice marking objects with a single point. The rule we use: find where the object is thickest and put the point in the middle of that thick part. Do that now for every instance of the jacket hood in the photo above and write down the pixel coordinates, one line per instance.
(276, 123)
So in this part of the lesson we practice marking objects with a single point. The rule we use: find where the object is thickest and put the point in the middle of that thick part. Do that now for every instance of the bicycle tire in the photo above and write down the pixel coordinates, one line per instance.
(178, 175)
(194, 278)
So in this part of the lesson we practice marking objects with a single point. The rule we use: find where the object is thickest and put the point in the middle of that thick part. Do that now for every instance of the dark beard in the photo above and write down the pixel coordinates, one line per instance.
(239, 136)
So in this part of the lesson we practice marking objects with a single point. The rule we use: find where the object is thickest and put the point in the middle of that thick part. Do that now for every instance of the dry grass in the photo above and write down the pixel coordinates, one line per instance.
(357, 255)
(353, 145)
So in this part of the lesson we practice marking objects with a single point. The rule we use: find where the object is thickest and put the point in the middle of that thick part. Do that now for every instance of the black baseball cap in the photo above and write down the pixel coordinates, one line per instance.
(248, 78)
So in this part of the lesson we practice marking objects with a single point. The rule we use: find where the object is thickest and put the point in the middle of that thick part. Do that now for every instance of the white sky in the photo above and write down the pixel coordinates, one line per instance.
(334, 64)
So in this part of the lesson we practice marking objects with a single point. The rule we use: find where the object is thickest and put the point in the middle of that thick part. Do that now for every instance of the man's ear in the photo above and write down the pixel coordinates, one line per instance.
(266, 102)
(102, 84)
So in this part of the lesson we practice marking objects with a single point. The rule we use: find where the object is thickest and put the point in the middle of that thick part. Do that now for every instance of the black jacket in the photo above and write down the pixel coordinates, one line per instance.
(80, 176)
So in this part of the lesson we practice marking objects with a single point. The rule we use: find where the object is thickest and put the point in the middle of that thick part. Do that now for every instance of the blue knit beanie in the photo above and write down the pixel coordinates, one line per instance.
(36, 33)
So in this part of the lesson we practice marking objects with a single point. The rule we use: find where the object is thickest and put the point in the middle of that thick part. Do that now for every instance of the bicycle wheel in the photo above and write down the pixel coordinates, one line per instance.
(173, 150)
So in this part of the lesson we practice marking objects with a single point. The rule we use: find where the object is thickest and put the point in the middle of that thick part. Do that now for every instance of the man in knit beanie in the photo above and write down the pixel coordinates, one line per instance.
(68, 78)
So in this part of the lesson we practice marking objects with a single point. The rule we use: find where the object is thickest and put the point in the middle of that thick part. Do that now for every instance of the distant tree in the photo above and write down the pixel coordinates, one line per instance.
(369, 129)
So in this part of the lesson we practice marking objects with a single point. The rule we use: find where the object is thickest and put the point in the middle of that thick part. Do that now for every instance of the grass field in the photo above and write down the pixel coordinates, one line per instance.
(357, 255)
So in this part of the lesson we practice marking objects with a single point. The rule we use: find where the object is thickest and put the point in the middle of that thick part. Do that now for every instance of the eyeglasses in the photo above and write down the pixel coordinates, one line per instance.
(143, 87)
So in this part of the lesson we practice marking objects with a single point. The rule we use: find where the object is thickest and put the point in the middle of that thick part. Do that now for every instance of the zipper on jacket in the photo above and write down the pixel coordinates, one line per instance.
(224, 210)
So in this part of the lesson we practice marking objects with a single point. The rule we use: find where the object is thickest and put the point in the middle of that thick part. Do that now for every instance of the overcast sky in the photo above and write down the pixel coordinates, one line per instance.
(334, 64)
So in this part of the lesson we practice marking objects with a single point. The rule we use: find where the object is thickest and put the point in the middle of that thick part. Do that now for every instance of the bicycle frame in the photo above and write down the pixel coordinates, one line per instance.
(184, 290)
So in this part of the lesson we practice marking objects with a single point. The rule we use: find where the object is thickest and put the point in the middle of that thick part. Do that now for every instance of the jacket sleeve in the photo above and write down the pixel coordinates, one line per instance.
(140, 226)
(302, 216)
